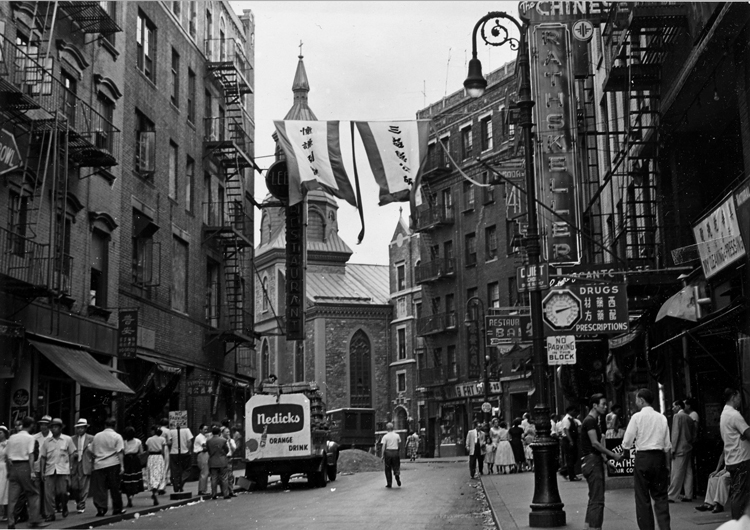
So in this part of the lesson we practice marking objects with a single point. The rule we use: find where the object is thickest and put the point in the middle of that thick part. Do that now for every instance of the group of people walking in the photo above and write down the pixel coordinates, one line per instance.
(503, 449)
(42, 469)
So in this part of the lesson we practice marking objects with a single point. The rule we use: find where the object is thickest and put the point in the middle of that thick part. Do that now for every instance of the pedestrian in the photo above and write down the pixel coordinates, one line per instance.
(525, 423)
(475, 444)
(649, 432)
(735, 434)
(156, 465)
(491, 446)
(528, 439)
(82, 465)
(614, 423)
(717, 489)
(239, 447)
(504, 459)
(39, 438)
(682, 454)
(412, 446)
(55, 455)
(569, 443)
(17, 426)
(199, 449)
(164, 429)
(108, 450)
(217, 461)
(19, 455)
(229, 469)
(179, 456)
(516, 444)
(392, 455)
(132, 478)
(592, 461)
(4, 435)
(268, 381)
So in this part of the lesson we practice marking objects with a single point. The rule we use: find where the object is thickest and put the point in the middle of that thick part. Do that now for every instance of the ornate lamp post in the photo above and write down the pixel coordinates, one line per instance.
(546, 506)
(482, 348)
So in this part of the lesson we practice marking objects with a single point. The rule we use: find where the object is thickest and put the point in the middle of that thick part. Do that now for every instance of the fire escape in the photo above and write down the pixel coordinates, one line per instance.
(57, 132)
(433, 215)
(229, 226)
(622, 205)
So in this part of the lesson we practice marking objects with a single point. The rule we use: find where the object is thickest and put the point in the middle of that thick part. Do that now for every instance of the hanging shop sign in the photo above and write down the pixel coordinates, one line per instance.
(719, 239)
(742, 201)
(584, 308)
(532, 278)
(509, 329)
(557, 166)
(561, 349)
(127, 341)
(472, 344)
(295, 272)
(473, 389)
(10, 156)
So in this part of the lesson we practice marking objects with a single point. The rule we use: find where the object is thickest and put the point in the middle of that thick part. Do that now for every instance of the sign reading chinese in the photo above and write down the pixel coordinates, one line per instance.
(555, 11)
(561, 350)
(127, 341)
(557, 167)
(719, 239)
(295, 272)
(472, 338)
(200, 386)
(507, 329)
(178, 419)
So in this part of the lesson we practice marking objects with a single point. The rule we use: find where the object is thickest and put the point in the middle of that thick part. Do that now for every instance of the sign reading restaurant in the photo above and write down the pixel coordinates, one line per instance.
(719, 238)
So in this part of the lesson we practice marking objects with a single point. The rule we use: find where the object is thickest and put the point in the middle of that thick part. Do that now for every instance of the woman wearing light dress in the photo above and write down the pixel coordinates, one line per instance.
(489, 457)
(528, 437)
(504, 459)
(156, 465)
(3, 472)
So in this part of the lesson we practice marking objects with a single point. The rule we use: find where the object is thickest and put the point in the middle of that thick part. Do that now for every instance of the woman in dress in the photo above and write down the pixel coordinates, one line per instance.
(412, 446)
(614, 423)
(504, 460)
(528, 437)
(492, 438)
(516, 443)
(156, 465)
(132, 477)
(4, 435)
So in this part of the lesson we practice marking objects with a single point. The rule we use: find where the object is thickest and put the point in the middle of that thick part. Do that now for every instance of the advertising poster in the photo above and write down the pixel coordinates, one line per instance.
(623, 468)
(277, 430)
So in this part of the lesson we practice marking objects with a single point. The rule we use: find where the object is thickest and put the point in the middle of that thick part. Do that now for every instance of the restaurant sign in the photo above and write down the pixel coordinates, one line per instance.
(719, 239)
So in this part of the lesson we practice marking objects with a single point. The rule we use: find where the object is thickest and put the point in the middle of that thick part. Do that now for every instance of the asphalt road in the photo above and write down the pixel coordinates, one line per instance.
(435, 495)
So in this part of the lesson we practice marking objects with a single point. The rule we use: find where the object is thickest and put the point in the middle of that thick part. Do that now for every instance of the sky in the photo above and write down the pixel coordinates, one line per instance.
(365, 60)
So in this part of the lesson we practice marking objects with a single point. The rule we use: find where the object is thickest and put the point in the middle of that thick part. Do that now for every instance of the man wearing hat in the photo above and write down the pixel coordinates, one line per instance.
(39, 438)
(55, 455)
(82, 465)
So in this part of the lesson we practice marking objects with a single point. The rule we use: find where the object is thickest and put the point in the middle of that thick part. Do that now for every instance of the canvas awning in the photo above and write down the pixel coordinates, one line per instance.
(81, 367)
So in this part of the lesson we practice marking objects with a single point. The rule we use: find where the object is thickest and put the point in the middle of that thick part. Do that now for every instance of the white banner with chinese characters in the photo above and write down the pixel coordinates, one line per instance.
(719, 239)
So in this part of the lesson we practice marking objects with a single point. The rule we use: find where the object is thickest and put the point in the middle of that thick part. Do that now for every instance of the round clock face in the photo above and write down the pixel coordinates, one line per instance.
(562, 310)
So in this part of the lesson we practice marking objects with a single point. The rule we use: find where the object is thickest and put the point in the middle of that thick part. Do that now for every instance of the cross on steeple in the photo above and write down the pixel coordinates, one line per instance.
(300, 49)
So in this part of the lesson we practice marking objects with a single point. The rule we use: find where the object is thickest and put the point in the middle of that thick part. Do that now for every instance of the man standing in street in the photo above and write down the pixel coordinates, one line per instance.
(217, 448)
(592, 466)
(391, 455)
(55, 455)
(201, 452)
(569, 437)
(735, 434)
(682, 454)
(80, 472)
(649, 430)
(19, 457)
(179, 456)
(39, 438)
(108, 449)
(475, 444)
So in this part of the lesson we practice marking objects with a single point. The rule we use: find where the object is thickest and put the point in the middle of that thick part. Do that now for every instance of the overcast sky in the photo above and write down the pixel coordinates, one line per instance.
(364, 61)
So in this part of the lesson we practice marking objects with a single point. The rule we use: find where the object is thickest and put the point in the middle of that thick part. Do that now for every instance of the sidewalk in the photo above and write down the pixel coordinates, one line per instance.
(509, 497)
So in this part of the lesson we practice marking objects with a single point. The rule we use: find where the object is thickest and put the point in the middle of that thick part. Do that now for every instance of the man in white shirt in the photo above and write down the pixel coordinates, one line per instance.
(199, 449)
(80, 473)
(391, 455)
(19, 457)
(649, 432)
(39, 438)
(55, 455)
(735, 434)
(476, 443)
(108, 449)
(179, 456)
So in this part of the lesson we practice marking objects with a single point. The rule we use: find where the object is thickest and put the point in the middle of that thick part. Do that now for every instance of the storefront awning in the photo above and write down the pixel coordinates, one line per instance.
(724, 316)
(81, 367)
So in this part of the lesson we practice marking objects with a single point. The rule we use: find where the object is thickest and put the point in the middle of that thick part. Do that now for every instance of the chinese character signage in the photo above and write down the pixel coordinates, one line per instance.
(473, 349)
(557, 166)
(295, 272)
(200, 386)
(742, 198)
(586, 308)
(719, 239)
(128, 333)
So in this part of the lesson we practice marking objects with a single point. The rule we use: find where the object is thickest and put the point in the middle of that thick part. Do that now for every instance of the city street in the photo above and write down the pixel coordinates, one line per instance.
(434, 495)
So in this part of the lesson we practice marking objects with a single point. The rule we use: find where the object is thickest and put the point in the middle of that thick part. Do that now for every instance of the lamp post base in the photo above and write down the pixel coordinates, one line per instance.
(546, 506)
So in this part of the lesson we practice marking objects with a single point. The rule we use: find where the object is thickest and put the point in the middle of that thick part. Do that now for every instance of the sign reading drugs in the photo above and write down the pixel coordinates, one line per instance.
(719, 238)
(557, 167)
(561, 350)
(277, 430)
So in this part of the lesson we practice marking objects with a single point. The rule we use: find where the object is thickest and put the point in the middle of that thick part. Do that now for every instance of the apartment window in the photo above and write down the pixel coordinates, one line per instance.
(434, 252)
(213, 294)
(207, 113)
(400, 277)
(208, 34)
(19, 207)
(175, 78)
(490, 241)
(177, 10)
(69, 98)
(450, 310)
(189, 183)
(448, 254)
(466, 142)
(99, 268)
(179, 274)
(472, 311)
(512, 237)
(418, 310)
(106, 109)
(437, 355)
(436, 305)
(468, 196)
(192, 24)
(489, 191)
(146, 141)
(471, 249)
(452, 363)
(146, 255)
(493, 294)
(401, 308)
(485, 133)
(146, 46)
(447, 203)
(63, 258)
(172, 170)
(401, 334)
(401, 382)
(512, 291)
(191, 96)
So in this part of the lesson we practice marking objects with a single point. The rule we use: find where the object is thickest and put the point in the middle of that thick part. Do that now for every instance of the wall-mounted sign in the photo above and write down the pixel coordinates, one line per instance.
(507, 329)
(554, 11)
(127, 341)
(561, 350)
(532, 278)
(295, 272)
(472, 349)
(719, 239)
(557, 164)
(200, 386)
(583, 30)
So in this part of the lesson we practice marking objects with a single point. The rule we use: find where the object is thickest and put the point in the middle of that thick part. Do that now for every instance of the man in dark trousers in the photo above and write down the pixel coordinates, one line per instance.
(475, 444)
(735, 433)
(683, 429)
(108, 449)
(649, 431)
(391, 455)
(19, 455)
(217, 461)
(570, 443)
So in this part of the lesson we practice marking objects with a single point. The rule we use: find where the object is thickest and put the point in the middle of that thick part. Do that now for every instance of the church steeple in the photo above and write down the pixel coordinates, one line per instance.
(300, 109)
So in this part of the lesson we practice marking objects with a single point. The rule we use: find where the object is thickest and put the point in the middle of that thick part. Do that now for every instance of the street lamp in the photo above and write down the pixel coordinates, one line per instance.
(486, 377)
(546, 506)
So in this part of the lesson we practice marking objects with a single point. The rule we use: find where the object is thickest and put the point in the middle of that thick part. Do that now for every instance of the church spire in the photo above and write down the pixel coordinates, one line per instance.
(300, 109)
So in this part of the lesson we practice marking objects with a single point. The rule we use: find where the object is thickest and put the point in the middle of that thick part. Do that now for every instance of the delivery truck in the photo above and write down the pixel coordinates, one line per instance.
(286, 433)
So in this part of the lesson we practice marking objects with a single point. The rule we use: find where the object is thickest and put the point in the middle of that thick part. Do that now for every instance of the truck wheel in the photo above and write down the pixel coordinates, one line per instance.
(261, 480)
(332, 470)
(322, 476)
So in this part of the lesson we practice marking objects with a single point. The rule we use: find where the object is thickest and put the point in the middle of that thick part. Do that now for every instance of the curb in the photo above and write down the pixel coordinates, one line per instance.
(489, 503)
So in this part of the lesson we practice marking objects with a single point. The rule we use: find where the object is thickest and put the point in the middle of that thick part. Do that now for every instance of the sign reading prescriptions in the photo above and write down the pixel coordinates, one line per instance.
(278, 430)
(719, 238)
(561, 350)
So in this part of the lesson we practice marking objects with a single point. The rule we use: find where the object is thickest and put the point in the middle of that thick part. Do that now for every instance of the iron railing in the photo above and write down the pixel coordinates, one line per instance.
(434, 270)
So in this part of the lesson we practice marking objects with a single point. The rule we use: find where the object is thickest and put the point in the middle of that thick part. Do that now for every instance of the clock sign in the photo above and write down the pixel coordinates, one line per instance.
(561, 310)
